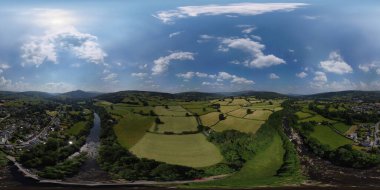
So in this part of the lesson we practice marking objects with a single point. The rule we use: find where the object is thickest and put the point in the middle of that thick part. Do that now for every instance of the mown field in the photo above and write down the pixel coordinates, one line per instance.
(175, 124)
(170, 111)
(76, 128)
(262, 115)
(210, 118)
(188, 150)
(130, 129)
(327, 136)
(239, 124)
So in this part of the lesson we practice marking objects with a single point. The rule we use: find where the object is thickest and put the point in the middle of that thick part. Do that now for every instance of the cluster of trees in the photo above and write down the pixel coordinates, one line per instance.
(55, 151)
(343, 156)
(52, 152)
(346, 116)
(120, 162)
(67, 168)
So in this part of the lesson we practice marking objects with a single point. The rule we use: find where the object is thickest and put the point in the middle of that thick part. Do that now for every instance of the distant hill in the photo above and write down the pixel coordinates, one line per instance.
(78, 94)
(350, 95)
(7, 95)
(197, 95)
(115, 97)
(258, 94)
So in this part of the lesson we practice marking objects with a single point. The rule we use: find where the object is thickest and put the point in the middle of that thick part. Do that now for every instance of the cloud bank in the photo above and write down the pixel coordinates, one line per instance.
(229, 9)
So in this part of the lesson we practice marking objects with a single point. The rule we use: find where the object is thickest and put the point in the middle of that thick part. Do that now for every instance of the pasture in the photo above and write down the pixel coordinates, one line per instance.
(175, 124)
(238, 113)
(187, 150)
(303, 115)
(329, 137)
(76, 128)
(210, 118)
(170, 111)
(239, 124)
(130, 129)
(226, 109)
(262, 115)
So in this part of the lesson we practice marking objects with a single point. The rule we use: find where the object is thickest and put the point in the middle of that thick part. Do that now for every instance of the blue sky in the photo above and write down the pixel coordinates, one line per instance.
(298, 47)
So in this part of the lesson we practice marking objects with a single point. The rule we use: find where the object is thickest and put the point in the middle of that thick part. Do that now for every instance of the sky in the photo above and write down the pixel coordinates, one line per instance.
(292, 47)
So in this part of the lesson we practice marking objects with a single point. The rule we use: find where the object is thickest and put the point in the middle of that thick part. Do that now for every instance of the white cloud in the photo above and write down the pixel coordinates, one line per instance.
(56, 87)
(190, 75)
(336, 64)
(301, 75)
(319, 80)
(233, 78)
(258, 38)
(273, 76)
(110, 77)
(161, 64)
(220, 77)
(171, 35)
(214, 84)
(5, 82)
(236, 8)
(4, 66)
(140, 75)
(375, 65)
(320, 76)
(309, 17)
(255, 49)
(247, 28)
(60, 36)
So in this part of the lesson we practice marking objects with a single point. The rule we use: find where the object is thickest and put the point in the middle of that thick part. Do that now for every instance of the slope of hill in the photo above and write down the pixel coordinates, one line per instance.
(351, 95)
(78, 94)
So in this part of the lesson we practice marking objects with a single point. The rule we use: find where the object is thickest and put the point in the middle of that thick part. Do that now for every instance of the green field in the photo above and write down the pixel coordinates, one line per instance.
(131, 129)
(303, 115)
(76, 128)
(171, 111)
(239, 101)
(239, 124)
(238, 113)
(176, 124)
(259, 115)
(226, 109)
(188, 150)
(317, 118)
(51, 113)
(259, 171)
(341, 127)
(210, 118)
(329, 137)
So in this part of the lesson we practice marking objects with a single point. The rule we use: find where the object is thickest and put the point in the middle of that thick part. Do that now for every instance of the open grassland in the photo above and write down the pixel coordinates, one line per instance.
(239, 124)
(188, 150)
(51, 113)
(259, 171)
(317, 118)
(210, 118)
(329, 137)
(103, 103)
(199, 108)
(238, 113)
(303, 115)
(170, 111)
(176, 124)
(351, 130)
(130, 129)
(76, 128)
(262, 115)
(341, 127)
(226, 109)
(239, 101)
